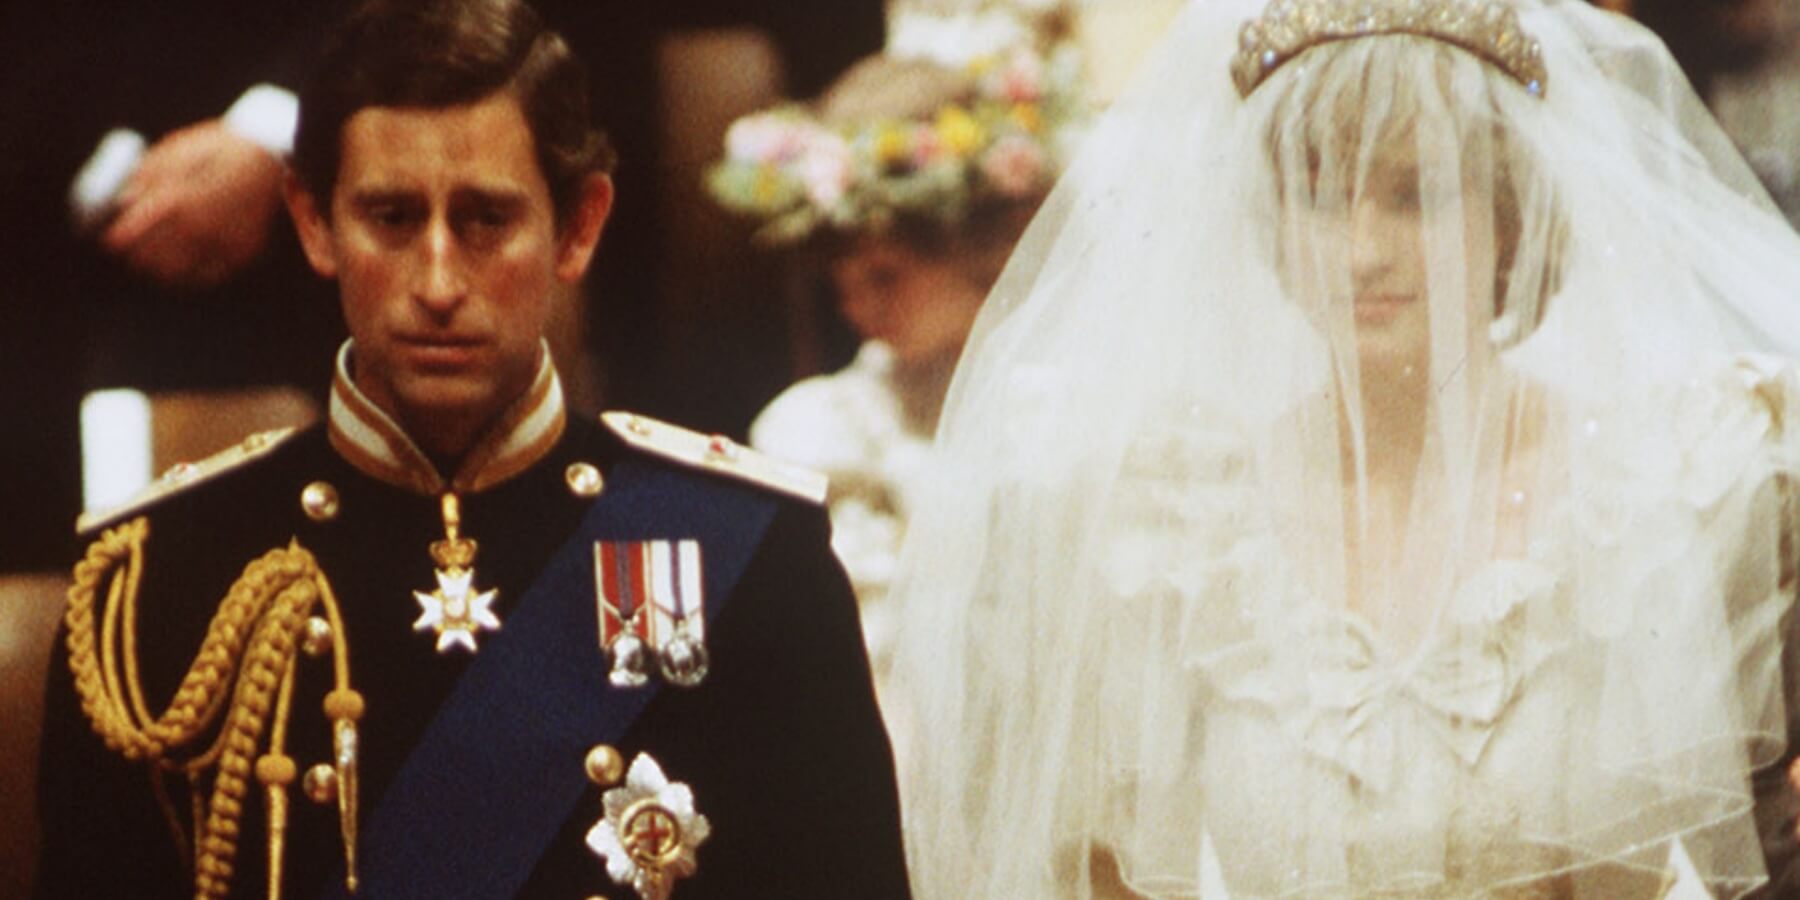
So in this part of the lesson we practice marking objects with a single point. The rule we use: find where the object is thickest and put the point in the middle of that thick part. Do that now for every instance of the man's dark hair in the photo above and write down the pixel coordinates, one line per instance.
(438, 53)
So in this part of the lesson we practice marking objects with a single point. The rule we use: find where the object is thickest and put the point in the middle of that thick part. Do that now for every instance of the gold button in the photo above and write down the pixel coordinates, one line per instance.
(637, 426)
(320, 500)
(320, 783)
(584, 480)
(180, 472)
(275, 769)
(317, 640)
(605, 767)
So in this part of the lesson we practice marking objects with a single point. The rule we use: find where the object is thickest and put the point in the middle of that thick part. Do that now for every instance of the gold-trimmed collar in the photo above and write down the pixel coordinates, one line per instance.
(369, 439)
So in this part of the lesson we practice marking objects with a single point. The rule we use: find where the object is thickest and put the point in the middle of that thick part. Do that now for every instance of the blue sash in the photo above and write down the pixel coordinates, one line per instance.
(499, 770)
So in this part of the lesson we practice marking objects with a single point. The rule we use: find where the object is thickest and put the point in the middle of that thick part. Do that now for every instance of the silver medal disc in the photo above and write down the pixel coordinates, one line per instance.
(684, 661)
(630, 662)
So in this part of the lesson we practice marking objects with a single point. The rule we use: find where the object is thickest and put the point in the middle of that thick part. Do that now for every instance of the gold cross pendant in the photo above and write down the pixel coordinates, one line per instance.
(455, 610)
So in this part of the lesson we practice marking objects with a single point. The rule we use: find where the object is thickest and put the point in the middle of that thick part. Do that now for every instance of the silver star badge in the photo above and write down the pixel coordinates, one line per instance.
(650, 832)
(456, 611)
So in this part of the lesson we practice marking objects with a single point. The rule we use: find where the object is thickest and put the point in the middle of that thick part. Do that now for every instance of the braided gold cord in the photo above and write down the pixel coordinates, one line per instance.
(276, 771)
(248, 653)
(269, 653)
(128, 729)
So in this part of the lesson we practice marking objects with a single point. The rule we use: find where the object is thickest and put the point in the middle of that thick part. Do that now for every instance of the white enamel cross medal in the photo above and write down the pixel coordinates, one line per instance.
(456, 610)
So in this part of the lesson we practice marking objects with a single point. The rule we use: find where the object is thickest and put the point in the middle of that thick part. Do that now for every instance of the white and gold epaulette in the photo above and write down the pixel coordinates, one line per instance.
(716, 453)
(182, 476)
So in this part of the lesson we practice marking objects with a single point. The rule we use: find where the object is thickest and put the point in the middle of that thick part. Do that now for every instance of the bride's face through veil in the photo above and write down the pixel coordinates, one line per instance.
(1414, 233)
(1374, 233)
(1398, 210)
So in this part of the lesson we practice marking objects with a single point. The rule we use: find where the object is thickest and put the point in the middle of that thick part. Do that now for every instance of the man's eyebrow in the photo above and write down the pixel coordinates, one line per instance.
(380, 196)
(497, 195)
(491, 194)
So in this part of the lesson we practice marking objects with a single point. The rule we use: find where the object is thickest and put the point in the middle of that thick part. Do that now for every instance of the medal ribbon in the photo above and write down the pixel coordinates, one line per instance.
(499, 770)
(649, 589)
(676, 566)
(619, 567)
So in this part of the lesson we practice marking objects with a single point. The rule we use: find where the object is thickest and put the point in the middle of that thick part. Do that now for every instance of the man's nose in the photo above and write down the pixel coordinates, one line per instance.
(439, 283)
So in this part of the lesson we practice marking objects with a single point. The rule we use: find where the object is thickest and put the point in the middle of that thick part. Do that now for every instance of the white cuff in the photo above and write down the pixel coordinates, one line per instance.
(266, 116)
(94, 194)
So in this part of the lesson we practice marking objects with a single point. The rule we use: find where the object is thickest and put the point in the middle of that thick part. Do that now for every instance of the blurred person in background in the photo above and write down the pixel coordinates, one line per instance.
(907, 184)
(1744, 58)
(140, 160)
(160, 262)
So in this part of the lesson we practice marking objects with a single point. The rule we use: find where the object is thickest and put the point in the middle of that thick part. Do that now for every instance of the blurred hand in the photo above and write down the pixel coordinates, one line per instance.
(1793, 775)
(198, 209)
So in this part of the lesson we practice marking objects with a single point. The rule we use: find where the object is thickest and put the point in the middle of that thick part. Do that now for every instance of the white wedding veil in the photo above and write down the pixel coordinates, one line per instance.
(1372, 485)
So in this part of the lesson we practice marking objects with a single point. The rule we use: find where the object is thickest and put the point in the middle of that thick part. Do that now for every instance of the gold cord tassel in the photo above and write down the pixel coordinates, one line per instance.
(245, 666)
(344, 708)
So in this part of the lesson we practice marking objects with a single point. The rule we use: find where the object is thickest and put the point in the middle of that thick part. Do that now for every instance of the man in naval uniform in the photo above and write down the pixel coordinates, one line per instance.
(458, 642)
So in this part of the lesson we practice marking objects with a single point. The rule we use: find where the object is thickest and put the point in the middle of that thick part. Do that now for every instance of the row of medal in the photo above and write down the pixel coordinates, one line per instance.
(648, 595)
(648, 601)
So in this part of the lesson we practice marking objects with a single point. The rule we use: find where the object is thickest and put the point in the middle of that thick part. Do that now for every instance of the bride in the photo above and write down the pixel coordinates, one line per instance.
(1370, 478)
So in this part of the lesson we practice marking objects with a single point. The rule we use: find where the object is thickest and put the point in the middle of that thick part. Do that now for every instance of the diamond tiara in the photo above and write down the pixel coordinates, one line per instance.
(1489, 29)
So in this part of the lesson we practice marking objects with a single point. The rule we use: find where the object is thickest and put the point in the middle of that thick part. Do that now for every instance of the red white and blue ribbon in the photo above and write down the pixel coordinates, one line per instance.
(649, 595)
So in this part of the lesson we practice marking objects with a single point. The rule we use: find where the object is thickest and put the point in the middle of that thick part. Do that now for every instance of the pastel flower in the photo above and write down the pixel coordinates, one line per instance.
(927, 146)
(961, 133)
(1028, 116)
(766, 186)
(891, 144)
(825, 168)
(800, 174)
(1018, 79)
(766, 138)
(1014, 165)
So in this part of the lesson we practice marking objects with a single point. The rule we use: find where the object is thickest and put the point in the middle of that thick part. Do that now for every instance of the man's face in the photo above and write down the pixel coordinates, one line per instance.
(444, 242)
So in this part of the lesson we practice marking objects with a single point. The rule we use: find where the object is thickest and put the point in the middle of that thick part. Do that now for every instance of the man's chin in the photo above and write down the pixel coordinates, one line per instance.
(448, 398)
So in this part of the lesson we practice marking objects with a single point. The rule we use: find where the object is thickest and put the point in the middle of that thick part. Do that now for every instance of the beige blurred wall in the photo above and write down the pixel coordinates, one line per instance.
(30, 606)
(1115, 35)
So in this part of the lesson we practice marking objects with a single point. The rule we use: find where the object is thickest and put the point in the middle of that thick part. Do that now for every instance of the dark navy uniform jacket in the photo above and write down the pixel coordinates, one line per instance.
(782, 744)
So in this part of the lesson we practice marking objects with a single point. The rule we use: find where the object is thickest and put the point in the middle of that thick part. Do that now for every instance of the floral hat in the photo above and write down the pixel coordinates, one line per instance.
(1002, 142)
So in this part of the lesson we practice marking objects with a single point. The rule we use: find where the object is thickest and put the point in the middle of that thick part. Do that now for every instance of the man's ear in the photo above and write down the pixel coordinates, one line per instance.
(581, 233)
(314, 228)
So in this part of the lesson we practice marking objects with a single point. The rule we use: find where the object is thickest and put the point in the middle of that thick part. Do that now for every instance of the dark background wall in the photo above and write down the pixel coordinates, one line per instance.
(680, 318)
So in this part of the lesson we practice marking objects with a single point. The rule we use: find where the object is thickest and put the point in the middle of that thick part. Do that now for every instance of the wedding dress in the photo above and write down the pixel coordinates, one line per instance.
(1370, 478)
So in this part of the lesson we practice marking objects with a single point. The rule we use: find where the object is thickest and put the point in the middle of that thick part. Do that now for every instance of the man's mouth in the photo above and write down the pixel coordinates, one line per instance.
(440, 351)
